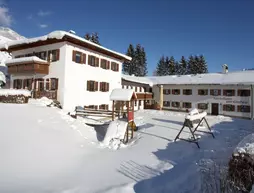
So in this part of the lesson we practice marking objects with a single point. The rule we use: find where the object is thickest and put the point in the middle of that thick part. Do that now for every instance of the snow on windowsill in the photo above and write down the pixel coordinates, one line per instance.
(6, 92)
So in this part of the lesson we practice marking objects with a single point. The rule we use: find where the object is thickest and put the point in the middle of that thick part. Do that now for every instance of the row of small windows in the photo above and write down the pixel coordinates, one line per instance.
(40, 84)
(94, 61)
(50, 55)
(213, 92)
(204, 106)
(95, 86)
(137, 89)
(101, 107)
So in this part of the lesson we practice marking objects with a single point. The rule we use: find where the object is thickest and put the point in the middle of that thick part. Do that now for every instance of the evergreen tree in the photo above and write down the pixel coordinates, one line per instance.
(177, 68)
(182, 68)
(129, 67)
(191, 65)
(203, 64)
(196, 65)
(94, 37)
(143, 71)
(171, 65)
(162, 68)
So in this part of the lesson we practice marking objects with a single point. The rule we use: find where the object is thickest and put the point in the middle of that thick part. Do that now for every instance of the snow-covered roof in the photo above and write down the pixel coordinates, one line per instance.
(31, 59)
(6, 92)
(2, 77)
(57, 35)
(142, 80)
(239, 77)
(120, 94)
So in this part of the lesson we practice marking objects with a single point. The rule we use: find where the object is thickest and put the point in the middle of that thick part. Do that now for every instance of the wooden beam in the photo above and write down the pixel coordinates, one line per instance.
(113, 110)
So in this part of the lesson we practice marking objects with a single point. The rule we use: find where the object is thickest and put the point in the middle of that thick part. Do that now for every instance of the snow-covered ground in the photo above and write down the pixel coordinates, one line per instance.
(45, 150)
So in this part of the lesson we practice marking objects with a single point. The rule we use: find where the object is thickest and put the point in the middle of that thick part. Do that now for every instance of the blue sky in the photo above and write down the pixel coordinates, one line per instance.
(221, 30)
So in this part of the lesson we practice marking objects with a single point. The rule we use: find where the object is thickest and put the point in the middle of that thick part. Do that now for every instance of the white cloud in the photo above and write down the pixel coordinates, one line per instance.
(43, 25)
(5, 17)
(44, 13)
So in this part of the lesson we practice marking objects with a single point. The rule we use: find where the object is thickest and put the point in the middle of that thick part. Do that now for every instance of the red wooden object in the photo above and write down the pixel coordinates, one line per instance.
(130, 116)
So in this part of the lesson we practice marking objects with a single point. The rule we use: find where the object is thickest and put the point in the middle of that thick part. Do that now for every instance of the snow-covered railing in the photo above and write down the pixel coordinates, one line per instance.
(6, 92)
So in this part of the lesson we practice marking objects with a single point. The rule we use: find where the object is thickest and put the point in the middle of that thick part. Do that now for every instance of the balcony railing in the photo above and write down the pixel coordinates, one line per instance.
(32, 68)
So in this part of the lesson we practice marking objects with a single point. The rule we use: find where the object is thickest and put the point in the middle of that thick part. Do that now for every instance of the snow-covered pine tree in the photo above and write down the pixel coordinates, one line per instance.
(183, 66)
(161, 69)
(138, 60)
(143, 62)
(203, 64)
(87, 36)
(171, 65)
(197, 67)
(177, 68)
(128, 67)
(95, 38)
(191, 65)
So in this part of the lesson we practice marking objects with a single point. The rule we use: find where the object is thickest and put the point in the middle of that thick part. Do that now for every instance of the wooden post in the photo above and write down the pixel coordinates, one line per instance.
(122, 103)
(113, 111)
(132, 128)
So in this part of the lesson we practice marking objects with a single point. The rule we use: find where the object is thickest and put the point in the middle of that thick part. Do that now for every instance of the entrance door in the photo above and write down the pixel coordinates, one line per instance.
(215, 108)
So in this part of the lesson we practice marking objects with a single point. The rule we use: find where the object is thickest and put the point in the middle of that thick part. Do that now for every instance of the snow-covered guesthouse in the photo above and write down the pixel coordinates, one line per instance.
(66, 67)
(225, 93)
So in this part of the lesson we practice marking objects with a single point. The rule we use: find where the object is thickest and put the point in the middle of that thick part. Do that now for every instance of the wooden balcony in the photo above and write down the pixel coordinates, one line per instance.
(28, 65)
(144, 96)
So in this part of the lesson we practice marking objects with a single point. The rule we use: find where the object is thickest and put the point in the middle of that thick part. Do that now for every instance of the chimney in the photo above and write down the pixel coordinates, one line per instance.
(225, 68)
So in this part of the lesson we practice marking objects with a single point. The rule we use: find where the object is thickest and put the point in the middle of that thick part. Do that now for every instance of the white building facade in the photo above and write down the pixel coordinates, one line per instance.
(67, 68)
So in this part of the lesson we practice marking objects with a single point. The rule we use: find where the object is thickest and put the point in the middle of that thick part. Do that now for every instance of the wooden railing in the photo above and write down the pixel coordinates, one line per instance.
(48, 94)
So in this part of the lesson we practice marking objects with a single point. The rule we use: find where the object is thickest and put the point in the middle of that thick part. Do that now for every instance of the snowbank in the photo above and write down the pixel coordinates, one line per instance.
(44, 101)
(115, 134)
(246, 145)
(7, 92)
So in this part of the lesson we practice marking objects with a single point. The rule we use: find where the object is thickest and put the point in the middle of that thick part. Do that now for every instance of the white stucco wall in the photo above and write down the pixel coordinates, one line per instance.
(195, 98)
(56, 69)
(77, 75)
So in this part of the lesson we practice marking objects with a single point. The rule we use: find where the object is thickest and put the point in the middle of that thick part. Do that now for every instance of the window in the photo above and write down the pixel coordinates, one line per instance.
(135, 103)
(78, 57)
(202, 106)
(27, 84)
(229, 108)
(166, 91)
(243, 93)
(187, 91)
(166, 103)
(41, 85)
(176, 104)
(202, 91)
(41, 55)
(91, 107)
(243, 108)
(104, 86)
(176, 91)
(104, 64)
(215, 92)
(53, 55)
(54, 84)
(18, 84)
(186, 105)
(92, 85)
(140, 89)
(114, 66)
(139, 103)
(229, 92)
(93, 61)
(103, 107)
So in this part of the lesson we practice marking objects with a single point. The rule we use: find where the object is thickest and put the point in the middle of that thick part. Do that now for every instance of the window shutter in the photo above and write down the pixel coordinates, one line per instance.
(212, 92)
(233, 107)
(30, 82)
(57, 54)
(117, 67)
(47, 84)
(96, 86)
(248, 92)
(97, 62)
(239, 108)
(224, 93)
(173, 91)
(56, 83)
(88, 85)
(112, 65)
(106, 107)
(248, 109)
(101, 86)
(74, 56)
(233, 93)
(219, 92)
(107, 86)
(108, 65)
(238, 92)
(24, 83)
(84, 58)
(136, 89)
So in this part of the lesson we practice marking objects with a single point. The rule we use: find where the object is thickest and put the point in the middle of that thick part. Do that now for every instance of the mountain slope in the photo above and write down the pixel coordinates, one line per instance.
(6, 34)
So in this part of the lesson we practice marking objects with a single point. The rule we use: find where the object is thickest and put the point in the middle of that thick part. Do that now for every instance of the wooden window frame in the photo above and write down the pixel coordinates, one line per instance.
(104, 86)
(212, 92)
(203, 92)
(241, 107)
(114, 66)
(55, 55)
(93, 61)
(166, 91)
(227, 90)
(166, 103)
(186, 106)
(92, 86)
(175, 102)
(53, 84)
(225, 106)
(186, 93)
(176, 91)
(103, 107)
(199, 105)
(241, 91)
